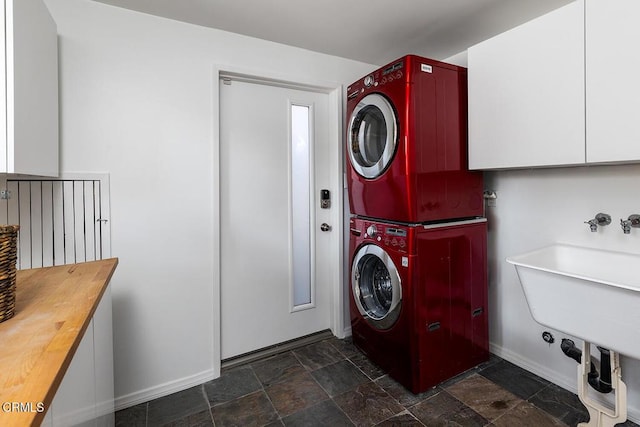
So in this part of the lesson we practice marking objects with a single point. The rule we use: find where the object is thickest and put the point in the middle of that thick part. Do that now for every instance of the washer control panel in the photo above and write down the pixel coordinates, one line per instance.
(387, 235)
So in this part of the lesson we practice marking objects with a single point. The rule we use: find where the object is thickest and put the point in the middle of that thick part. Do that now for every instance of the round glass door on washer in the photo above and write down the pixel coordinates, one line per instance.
(376, 286)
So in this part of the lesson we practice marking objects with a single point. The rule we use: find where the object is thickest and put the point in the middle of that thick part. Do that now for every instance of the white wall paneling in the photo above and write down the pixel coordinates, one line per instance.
(62, 220)
(141, 102)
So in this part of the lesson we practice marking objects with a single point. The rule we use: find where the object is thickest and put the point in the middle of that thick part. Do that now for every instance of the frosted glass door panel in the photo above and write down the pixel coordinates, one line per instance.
(301, 204)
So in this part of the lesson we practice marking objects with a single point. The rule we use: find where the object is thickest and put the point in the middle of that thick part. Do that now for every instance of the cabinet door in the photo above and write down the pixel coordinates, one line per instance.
(613, 86)
(526, 94)
(75, 401)
(103, 354)
(31, 89)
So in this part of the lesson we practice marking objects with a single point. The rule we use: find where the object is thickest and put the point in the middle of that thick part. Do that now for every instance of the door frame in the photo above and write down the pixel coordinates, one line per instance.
(334, 91)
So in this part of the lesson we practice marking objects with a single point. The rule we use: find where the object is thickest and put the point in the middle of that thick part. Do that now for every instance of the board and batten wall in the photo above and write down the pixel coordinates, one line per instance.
(137, 101)
(537, 207)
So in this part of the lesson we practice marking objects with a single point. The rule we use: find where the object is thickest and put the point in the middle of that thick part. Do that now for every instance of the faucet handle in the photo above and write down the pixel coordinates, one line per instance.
(593, 225)
(632, 221)
(626, 226)
(600, 219)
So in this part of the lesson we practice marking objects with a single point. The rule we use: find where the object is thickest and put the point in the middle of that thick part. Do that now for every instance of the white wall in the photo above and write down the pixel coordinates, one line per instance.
(137, 101)
(537, 207)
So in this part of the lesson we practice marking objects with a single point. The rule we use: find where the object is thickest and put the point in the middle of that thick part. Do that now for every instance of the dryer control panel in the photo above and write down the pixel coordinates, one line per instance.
(393, 72)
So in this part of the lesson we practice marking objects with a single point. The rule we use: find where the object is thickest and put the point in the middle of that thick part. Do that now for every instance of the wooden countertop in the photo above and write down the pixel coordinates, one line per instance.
(54, 306)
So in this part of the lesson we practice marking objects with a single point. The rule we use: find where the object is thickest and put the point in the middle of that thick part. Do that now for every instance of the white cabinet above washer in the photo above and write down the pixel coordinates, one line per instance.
(29, 89)
(613, 86)
(526, 94)
(559, 90)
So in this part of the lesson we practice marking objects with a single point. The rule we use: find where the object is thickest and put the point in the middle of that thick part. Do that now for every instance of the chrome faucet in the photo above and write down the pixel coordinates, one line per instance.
(632, 221)
(600, 219)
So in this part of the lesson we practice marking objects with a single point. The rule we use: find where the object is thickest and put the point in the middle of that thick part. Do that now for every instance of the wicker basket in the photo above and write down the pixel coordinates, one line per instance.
(8, 256)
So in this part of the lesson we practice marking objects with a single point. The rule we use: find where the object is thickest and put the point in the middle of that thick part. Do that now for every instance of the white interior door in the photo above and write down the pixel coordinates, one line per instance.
(276, 263)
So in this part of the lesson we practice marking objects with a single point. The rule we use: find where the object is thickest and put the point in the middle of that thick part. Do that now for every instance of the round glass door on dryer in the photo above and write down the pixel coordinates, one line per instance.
(373, 134)
(376, 286)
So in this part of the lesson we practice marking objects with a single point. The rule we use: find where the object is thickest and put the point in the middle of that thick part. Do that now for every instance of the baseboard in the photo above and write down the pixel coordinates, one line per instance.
(79, 416)
(531, 366)
(104, 408)
(132, 399)
(346, 332)
(142, 396)
(569, 384)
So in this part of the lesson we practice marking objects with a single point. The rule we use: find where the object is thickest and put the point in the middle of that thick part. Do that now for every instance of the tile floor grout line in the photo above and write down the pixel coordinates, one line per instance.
(504, 413)
(345, 414)
(272, 405)
(206, 400)
(541, 409)
(264, 389)
(444, 390)
(332, 398)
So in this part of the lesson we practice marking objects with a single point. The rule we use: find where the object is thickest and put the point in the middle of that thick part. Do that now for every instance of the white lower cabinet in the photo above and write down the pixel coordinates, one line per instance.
(75, 401)
(85, 395)
(103, 358)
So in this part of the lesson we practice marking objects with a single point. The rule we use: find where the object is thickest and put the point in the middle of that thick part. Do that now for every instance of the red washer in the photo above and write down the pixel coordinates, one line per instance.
(419, 307)
(407, 144)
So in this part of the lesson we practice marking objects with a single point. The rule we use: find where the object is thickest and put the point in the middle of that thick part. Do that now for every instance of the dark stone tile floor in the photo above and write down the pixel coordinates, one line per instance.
(330, 383)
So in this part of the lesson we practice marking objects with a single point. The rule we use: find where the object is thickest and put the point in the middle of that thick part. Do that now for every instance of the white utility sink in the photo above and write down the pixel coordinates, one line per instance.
(592, 294)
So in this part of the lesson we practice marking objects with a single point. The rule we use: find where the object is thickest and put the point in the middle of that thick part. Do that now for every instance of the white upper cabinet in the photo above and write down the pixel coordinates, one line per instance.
(29, 113)
(526, 94)
(613, 86)
(559, 90)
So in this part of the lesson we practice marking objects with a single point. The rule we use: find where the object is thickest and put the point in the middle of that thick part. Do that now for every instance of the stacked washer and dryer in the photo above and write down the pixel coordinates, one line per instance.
(418, 297)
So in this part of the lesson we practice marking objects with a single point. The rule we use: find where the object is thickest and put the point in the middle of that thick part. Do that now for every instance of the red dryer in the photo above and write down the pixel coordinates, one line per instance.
(407, 144)
(418, 298)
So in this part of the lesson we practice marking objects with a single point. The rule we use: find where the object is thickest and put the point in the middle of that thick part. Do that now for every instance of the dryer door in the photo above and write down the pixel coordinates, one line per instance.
(373, 133)
(376, 286)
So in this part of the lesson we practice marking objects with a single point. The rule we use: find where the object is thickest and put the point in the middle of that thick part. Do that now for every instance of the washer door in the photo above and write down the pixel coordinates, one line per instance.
(376, 286)
(373, 132)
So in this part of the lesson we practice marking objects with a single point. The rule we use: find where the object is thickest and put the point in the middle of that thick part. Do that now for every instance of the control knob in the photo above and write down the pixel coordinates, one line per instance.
(372, 231)
(368, 81)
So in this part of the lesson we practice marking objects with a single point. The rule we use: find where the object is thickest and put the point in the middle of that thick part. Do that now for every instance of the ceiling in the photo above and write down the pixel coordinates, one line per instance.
(371, 31)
